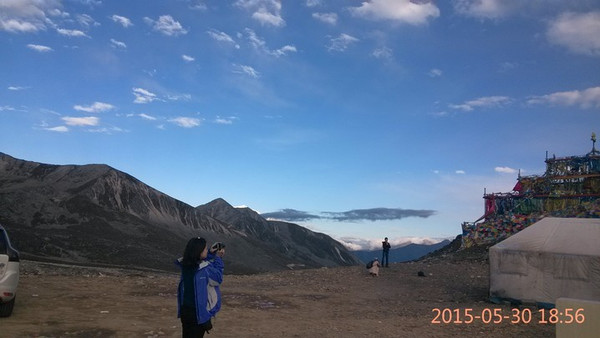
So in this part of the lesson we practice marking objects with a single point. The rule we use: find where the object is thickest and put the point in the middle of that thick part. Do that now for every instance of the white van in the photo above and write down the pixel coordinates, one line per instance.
(9, 274)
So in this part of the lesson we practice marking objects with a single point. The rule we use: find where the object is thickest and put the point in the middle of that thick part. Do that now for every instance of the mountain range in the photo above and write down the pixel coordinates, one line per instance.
(401, 254)
(95, 214)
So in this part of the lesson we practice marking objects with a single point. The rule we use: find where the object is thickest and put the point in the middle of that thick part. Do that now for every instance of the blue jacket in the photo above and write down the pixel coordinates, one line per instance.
(207, 279)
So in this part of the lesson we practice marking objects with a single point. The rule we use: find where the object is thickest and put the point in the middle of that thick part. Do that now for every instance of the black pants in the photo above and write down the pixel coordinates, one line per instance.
(189, 325)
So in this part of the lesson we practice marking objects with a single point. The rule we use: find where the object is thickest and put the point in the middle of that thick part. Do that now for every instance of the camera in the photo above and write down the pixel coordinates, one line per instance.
(217, 246)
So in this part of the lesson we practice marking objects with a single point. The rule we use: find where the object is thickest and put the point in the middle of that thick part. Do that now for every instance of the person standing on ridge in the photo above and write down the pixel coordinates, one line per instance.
(385, 259)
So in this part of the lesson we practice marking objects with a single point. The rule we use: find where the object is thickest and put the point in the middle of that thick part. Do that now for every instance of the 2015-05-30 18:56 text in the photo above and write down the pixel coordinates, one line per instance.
(498, 315)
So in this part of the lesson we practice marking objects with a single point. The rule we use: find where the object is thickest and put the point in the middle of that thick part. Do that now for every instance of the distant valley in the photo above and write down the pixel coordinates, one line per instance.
(401, 254)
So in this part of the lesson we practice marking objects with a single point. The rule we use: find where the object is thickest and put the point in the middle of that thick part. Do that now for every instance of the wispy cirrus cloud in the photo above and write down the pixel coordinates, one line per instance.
(143, 96)
(244, 69)
(81, 121)
(259, 44)
(96, 107)
(186, 122)
(147, 117)
(222, 37)
(585, 99)
(17, 88)
(86, 20)
(404, 11)
(59, 129)
(434, 72)
(118, 44)
(39, 48)
(482, 102)
(166, 25)
(71, 32)
(123, 21)
(225, 120)
(341, 43)
(384, 53)
(484, 9)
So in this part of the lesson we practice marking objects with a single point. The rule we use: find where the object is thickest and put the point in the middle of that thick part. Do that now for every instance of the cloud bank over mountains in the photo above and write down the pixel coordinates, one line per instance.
(357, 215)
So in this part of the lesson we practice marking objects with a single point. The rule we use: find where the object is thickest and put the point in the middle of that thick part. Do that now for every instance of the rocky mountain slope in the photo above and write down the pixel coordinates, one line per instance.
(95, 214)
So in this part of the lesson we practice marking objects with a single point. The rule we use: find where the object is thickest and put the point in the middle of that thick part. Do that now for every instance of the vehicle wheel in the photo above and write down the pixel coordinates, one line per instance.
(7, 308)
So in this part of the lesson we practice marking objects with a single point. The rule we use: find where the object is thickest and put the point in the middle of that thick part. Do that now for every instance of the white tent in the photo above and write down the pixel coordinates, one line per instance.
(555, 257)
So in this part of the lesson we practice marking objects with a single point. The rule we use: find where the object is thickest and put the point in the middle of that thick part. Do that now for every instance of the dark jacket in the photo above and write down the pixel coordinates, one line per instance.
(207, 279)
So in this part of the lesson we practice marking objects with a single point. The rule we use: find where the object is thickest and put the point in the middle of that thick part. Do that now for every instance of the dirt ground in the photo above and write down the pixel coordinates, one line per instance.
(64, 301)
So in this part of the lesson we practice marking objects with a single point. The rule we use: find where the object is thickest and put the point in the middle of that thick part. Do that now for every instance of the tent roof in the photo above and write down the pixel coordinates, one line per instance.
(576, 236)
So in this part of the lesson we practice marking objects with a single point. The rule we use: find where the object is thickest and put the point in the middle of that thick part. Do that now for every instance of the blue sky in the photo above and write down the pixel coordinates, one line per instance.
(359, 119)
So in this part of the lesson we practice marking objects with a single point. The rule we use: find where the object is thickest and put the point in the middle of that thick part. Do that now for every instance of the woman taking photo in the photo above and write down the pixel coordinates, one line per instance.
(198, 294)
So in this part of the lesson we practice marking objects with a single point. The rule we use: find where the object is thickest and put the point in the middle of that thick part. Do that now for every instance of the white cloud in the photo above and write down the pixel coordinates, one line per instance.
(460, 172)
(341, 43)
(86, 20)
(17, 88)
(383, 53)
(143, 96)
(60, 129)
(7, 108)
(200, 6)
(16, 26)
(81, 121)
(25, 16)
(147, 117)
(179, 97)
(187, 58)
(579, 32)
(505, 170)
(261, 45)
(71, 32)
(588, 98)
(248, 70)
(225, 120)
(313, 3)
(96, 107)
(39, 48)
(123, 21)
(435, 72)
(484, 9)
(256, 41)
(330, 18)
(58, 13)
(186, 122)
(508, 66)
(482, 102)
(221, 37)
(166, 25)
(267, 12)
(105, 130)
(283, 50)
(117, 44)
(406, 11)
(265, 17)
